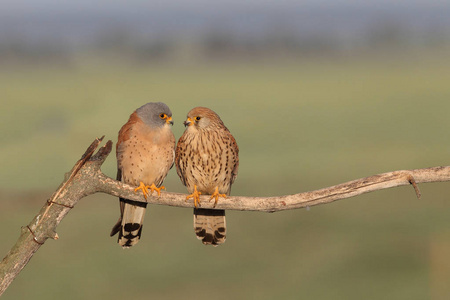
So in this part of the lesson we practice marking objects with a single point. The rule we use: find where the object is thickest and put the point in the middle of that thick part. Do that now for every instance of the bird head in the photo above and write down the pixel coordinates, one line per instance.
(202, 118)
(155, 114)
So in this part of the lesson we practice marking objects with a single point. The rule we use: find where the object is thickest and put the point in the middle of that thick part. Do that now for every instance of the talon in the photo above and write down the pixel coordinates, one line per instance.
(217, 195)
(196, 196)
(144, 189)
(154, 188)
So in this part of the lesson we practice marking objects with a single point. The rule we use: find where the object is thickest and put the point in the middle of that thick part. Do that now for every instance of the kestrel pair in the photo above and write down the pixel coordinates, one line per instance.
(206, 158)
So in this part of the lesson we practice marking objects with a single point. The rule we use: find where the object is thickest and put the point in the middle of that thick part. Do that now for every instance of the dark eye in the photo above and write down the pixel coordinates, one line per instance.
(163, 116)
(197, 118)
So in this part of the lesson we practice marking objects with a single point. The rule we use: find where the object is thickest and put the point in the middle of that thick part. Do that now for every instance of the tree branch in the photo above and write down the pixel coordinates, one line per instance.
(287, 202)
(86, 178)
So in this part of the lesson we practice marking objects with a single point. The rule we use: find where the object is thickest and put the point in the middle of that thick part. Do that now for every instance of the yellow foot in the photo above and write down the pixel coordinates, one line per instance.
(217, 195)
(196, 196)
(145, 189)
(154, 188)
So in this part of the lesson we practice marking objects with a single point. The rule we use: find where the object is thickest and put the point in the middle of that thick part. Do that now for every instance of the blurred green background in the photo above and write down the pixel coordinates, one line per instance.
(303, 120)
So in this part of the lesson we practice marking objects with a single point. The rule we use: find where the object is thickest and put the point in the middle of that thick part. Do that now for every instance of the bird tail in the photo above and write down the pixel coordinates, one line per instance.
(130, 224)
(210, 226)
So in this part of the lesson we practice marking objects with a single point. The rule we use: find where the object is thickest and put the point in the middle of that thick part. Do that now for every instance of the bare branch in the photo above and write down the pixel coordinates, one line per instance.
(44, 224)
(86, 178)
(287, 202)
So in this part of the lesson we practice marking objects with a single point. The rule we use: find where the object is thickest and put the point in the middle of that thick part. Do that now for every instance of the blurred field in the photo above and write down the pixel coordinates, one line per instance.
(300, 126)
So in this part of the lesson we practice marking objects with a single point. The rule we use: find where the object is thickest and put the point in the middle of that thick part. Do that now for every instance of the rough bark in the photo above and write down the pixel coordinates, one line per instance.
(86, 178)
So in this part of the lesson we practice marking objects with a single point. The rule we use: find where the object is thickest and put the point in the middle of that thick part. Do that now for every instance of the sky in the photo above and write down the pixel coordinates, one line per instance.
(79, 19)
(98, 6)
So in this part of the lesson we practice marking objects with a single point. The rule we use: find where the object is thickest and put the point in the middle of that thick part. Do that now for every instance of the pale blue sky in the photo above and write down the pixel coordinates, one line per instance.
(27, 6)
(78, 19)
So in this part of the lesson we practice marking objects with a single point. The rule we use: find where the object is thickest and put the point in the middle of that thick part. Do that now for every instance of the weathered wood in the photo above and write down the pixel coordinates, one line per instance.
(43, 225)
(86, 178)
(287, 202)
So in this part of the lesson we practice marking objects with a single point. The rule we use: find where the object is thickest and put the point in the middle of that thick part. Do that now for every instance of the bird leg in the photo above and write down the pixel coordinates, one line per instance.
(153, 187)
(196, 196)
(217, 195)
(144, 189)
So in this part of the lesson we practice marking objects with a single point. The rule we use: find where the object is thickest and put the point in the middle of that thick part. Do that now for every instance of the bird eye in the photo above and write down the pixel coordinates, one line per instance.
(197, 118)
(163, 116)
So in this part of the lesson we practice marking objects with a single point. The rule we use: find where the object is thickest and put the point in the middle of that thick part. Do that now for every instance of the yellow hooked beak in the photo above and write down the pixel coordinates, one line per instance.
(169, 120)
(188, 122)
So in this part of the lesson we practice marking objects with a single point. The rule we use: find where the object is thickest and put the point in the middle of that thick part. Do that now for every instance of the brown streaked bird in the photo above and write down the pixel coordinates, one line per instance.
(145, 153)
(207, 161)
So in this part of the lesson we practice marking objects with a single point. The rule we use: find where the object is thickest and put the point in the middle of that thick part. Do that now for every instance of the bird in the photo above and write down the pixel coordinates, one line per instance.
(145, 153)
(207, 162)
